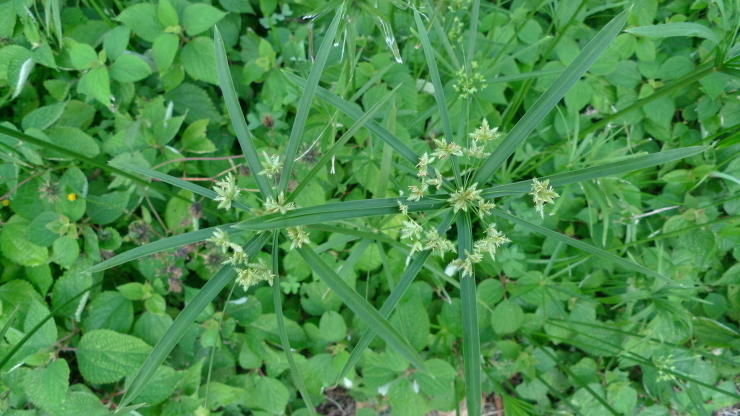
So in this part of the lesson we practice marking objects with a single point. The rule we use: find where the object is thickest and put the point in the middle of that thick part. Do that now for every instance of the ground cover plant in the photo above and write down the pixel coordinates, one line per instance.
(214, 208)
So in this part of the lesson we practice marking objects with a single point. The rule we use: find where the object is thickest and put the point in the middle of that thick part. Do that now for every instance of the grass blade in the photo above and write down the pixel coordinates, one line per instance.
(162, 245)
(551, 97)
(340, 211)
(471, 336)
(306, 98)
(585, 247)
(359, 306)
(609, 169)
(339, 143)
(168, 341)
(667, 30)
(390, 304)
(197, 189)
(439, 94)
(237, 117)
(353, 111)
(281, 329)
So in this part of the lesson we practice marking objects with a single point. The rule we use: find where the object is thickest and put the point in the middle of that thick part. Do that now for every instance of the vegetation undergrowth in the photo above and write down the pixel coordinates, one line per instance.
(215, 208)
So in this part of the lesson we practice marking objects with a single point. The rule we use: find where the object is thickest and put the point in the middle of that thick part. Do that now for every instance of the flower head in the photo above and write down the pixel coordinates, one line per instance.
(298, 236)
(271, 205)
(437, 242)
(484, 133)
(461, 198)
(226, 191)
(403, 208)
(272, 165)
(445, 149)
(424, 162)
(542, 194)
(411, 230)
(220, 239)
(417, 192)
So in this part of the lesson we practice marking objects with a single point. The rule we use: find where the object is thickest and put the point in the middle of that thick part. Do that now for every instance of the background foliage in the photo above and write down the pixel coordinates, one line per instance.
(561, 331)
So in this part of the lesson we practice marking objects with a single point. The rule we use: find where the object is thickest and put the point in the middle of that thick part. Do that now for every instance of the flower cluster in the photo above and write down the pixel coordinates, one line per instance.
(542, 194)
(467, 84)
(494, 239)
(247, 274)
(425, 240)
(226, 192)
(272, 165)
(298, 236)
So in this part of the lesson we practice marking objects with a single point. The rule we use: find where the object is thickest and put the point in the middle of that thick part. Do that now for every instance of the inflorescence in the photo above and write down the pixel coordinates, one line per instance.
(464, 198)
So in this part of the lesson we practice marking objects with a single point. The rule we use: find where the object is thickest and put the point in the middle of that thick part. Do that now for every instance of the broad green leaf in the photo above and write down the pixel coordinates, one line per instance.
(360, 306)
(273, 395)
(205, 295)
(70, 286)
(507, 317)
(96, 84)
(195, 140)
(109, 310)
(550, 98)
(82, 56)
(440, 379)
(583, 246)
(116, 41)
(129, 68)
(194, 101)
(164, 50)
(106, 208)
(167, 14)
(142, 20)
(46, 335)
(105, 356)
(65, 251)
(43, 117)
(199, 17)
(237, 117)
(72, 139)
(162, 245)
(198, 57)
(160, 387)
(47, 387)
(17, 248)
(332, 326)
(673, 29)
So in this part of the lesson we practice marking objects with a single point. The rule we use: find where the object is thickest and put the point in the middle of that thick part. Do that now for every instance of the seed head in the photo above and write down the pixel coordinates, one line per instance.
(298, 236)
(226, 191)
(271, 166)
(423, 164)
(484, 133)
(445, 149)
(461, 198)
(272, 206)
(542, 195)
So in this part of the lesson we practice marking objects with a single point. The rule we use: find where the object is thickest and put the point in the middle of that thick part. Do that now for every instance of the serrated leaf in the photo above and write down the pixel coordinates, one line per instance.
(200, 17)
(167, 14)
(142, 19)
(507, 317)
(46, 336)
(160, 387)
(65, 251)
(96, 84)
(73, 139)
(129, 68)
(82, 55)
(106, 208)
(106, 356)
(47, 387)
(116, 41)
(17, 248)
(273, 395)
(199, 59)
(43, 117)
(164, 50)
(109, 310)
(332, 326)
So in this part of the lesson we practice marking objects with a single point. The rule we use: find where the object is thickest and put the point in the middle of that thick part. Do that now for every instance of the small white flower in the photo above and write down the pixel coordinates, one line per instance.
(272, 206)
(226, 191)
(272, 165)
(461, 198)
(423, 164)
(542, 195)
(445, 149)
(411, 230)
(298, 236)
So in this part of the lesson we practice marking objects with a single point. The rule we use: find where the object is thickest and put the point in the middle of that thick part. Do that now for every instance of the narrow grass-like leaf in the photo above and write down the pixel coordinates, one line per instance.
(168, 341)
(471, 337)
(550, 98)
(585, 247)
(362, 308)
(283, 333)
(566, 369)
(616, 168)
(354, 112)
(82, 158)
(237, 117)
(162, 245)
(340, 143)
(340, 211)
(390, 304)
(439, 94)
(41, 323)
(9, 323)
(386, 159)
(668, 30)
(299, 123)
(197, 189)
(523, 76)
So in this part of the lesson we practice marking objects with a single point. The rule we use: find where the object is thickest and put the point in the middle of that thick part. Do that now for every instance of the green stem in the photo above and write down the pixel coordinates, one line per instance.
(696, 75)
